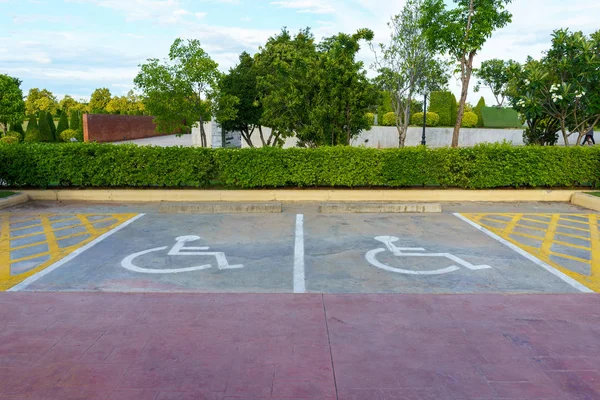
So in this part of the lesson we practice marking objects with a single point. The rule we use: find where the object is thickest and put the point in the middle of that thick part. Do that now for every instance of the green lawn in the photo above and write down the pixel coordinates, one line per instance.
(5, 194)
(595, 194)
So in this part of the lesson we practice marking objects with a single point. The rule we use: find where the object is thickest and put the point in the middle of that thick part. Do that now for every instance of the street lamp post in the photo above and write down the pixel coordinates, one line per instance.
(423, 141)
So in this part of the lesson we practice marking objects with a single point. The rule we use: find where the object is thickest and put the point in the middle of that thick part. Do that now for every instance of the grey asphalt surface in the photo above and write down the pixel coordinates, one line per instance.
(335, 248)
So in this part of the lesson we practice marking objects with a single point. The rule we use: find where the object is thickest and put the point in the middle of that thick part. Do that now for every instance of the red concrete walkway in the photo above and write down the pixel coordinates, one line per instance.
(172, 346)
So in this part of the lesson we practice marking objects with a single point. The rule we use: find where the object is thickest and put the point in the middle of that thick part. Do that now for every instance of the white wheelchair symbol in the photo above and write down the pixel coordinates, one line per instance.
(179, 250)
(416, 252)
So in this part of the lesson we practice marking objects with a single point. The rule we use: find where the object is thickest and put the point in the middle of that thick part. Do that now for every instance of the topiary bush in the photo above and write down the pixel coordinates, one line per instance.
(32, 135)
(477, 111)
(443, 104)
(17, 127)
(63, 125)
(68, 134)
(45, 134)
(52, 126)
(432, 119)
(370, 117)
(31, 124)
(74, 121)
(469, 120)
(389, 119)
(17, 135)
(9, 140)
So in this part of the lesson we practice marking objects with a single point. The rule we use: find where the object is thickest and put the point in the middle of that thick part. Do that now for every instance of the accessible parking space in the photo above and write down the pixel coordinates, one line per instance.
(415, 254)
(300, 251)
(184, 253)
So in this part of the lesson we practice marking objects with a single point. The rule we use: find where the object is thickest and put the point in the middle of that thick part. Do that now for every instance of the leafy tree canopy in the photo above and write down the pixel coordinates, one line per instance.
(12, 106)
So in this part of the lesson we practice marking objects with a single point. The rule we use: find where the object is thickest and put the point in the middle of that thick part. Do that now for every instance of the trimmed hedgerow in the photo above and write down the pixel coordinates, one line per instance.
(485, 166)
(432, 119)
(469, 120)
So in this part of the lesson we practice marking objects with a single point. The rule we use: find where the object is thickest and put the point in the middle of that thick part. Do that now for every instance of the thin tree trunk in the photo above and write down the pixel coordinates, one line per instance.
(466, 78)
(262, 138)
(563, 130)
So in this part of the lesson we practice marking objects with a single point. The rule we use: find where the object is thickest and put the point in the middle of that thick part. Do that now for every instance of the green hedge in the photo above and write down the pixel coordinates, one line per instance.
(444, 105)
(495, 117)
(83, 165)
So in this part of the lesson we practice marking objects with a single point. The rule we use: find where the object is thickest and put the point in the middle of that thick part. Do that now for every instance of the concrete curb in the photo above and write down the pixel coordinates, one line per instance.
(14, 200)
(348, 208)
(220, 208)
(290, 195)
(586, 200)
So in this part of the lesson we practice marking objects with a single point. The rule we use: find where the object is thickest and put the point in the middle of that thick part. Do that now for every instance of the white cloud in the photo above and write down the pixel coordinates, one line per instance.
(307, 6)
(164, 11)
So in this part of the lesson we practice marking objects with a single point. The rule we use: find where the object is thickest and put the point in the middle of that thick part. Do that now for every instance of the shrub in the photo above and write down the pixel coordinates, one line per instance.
(370, 117)
(443, 104)
(32, 124)
(477, 111)
(17, 135)
(9, 140)
(496, 117)
(32, 135)
(63, 125)
(74, 121)
(69, 134)
(469, 120)
(432, 119)
(45, 131)
(388, 119)
(52, 126)
(454, 110)
(81, 165)
(17, 127)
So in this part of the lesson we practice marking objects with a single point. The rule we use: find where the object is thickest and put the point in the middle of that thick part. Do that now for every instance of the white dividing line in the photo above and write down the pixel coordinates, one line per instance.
(528, 256)
(299, 278)
(23, 285)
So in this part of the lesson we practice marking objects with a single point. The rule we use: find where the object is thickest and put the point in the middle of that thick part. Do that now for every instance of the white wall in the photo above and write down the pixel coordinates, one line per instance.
(214, 138)
(385, 137)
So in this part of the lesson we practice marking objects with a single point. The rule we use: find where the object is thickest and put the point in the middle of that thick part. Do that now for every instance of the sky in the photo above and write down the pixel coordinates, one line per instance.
(75, 46)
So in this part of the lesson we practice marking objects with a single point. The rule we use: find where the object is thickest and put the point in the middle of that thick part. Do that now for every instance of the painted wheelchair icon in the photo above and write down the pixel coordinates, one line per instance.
(179, 249)
(416, 252)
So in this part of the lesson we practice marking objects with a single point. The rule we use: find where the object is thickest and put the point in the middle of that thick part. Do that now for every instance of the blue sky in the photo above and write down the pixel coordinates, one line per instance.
(75, 46)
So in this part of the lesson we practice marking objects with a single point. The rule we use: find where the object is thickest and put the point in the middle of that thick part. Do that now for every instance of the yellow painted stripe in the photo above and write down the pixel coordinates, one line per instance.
(4, 247)
(595, 243)
(528, 236)
(572, 227)
(512, 224)
(586, 223)
(531, 227)
(569, 257)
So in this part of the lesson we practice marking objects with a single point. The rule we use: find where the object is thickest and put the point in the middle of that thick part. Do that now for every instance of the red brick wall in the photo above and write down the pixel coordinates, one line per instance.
(114, 128)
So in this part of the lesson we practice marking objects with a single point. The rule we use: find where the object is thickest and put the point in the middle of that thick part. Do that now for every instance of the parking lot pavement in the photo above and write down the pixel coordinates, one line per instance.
(109, 346)
(133, 248)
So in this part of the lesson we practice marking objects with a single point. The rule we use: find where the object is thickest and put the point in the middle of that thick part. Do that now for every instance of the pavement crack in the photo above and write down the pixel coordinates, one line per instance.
(329, 342)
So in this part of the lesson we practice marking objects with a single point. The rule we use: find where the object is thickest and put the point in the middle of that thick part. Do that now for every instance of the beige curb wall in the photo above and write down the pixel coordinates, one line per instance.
(286, 195)
(13, 200)
(587, 201)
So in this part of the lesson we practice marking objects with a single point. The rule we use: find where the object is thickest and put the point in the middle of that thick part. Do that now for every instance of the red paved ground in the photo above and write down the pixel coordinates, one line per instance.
(156, 346)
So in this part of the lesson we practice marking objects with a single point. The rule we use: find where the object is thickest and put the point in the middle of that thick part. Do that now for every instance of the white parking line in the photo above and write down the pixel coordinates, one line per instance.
(23, 285)
(299, 277)
(528, 256)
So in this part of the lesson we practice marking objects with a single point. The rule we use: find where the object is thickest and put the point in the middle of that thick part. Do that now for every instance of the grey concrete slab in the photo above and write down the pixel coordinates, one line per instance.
(335, 257)
(263, 244)
(337, 246)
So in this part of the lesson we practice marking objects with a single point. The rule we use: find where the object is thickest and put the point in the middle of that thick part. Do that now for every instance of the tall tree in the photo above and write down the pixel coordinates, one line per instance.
(40, 100)
(99, 100)
(283, 66)
(493, 74)
(461, 32)
(66, 104)
(237, 101)
(176, 90)
(117, 105)
(12, 106)
(407, 65)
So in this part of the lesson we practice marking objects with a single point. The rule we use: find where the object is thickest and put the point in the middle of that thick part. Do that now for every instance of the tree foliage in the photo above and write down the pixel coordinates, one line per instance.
(40, 100)
(461, 32)
(494, 74)
(238, 103)
(175, 91)
(67, 104)
(407, 65)
(12, 106)
(74, 121)
(99, 100)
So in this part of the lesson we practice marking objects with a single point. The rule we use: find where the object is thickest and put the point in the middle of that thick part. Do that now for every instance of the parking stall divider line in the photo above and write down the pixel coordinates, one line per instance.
(299, 275)
(23, 285)
(530, 257)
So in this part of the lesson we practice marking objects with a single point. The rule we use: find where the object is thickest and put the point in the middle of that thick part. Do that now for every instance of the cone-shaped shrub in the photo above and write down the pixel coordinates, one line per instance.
(51, 124)
(45, 131)
(74, 120)
(63, 125)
